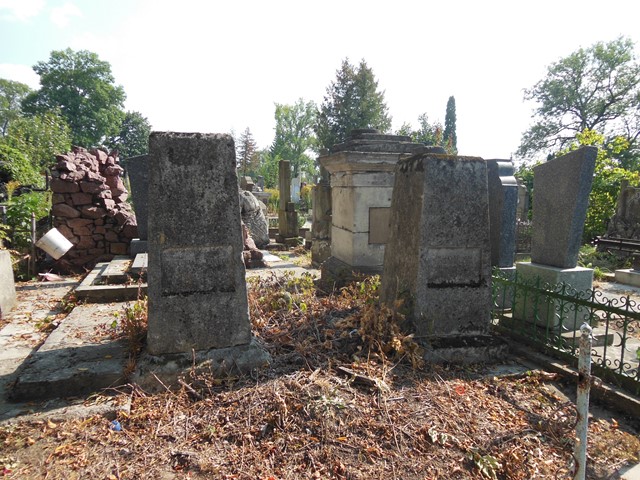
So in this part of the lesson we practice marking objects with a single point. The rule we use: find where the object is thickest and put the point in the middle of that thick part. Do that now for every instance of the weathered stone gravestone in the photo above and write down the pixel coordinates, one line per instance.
(7, 285)
(287, 215)
(362, 176)
(561, 196)
(437, 259)
(503, 202)
(321, 222)
(197, 291)
(138, 172)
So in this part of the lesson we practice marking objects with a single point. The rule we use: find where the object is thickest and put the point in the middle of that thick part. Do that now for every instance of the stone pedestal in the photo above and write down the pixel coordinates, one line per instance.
(362, 178)
(547, 313)
(628, 276)
(197, 289)
(438, 257)
(7, 285)
(198, 308)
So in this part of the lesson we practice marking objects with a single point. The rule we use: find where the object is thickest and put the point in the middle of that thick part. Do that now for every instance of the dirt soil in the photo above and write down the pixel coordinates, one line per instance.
(345, 398)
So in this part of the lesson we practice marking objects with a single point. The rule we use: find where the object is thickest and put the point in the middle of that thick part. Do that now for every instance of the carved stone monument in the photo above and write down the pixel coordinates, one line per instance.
(198, 309)
(362, 176)
(438, 255)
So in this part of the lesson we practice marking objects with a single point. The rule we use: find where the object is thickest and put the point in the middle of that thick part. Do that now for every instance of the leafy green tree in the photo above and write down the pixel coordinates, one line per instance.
(82, 87)
(133, 138)
(247, 156)
(11, 96)
(269, 168)
(607, 179)
(450, 136)
(598, 89)
(294, 136)
(352, 101)
(15, 166)
(40, 138)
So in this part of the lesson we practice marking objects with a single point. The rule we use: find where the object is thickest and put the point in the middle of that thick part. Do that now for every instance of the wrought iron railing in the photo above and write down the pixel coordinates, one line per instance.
(550, 316)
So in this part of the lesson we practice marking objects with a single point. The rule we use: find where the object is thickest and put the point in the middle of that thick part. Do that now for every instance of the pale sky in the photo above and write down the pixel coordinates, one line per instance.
(218, 66)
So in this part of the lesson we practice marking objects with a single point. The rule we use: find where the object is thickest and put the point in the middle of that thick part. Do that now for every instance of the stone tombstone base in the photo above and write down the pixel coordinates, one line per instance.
(504, 297)
(547, 312)
(628, 276)
(216, 363)
(335, 273)
(320, 251)
(465, 349)
(7, 285)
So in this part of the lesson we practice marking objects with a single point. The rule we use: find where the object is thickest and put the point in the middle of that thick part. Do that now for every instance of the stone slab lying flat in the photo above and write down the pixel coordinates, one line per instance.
(90, 289)
(78, 357)
(117, 271)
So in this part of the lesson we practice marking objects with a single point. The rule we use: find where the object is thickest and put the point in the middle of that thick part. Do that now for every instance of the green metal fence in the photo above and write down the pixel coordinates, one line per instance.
(549, 317)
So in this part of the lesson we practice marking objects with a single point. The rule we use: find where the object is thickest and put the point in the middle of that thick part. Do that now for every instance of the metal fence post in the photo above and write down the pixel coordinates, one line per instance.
(582, 402)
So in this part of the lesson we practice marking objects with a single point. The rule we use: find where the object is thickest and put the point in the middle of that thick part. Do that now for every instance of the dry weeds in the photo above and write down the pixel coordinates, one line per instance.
(337, 403)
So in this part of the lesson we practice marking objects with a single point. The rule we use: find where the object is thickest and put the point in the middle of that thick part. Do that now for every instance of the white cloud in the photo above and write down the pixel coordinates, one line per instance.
(20, 10)
(20, 73)
(61, 16)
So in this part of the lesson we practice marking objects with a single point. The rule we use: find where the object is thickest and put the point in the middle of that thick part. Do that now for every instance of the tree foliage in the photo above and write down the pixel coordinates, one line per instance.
(427, 133)
(352, 101)
(247, 156)
(40, 138)
(82, 87)
(11, 96)
(133, 138)
(450, 135)
(294, 137)
(16, 167)
(607, 179)
(596, 89)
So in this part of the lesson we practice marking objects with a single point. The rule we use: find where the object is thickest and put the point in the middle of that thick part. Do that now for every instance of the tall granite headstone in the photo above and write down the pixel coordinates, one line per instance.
(197, 289)
(438, 253)
(561, 195)
(503, 202)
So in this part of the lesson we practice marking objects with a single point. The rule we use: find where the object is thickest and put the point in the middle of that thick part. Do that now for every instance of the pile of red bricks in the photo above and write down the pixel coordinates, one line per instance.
(90, 206)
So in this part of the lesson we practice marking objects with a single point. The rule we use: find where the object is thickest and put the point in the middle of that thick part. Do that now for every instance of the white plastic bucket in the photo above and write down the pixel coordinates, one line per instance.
(54, 243)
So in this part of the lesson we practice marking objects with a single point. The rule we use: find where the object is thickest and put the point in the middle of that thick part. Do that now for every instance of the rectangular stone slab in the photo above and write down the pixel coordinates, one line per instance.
(197, 290)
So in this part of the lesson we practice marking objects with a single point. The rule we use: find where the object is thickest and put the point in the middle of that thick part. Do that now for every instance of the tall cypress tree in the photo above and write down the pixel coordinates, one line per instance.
(450, 125)
(352, 101)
